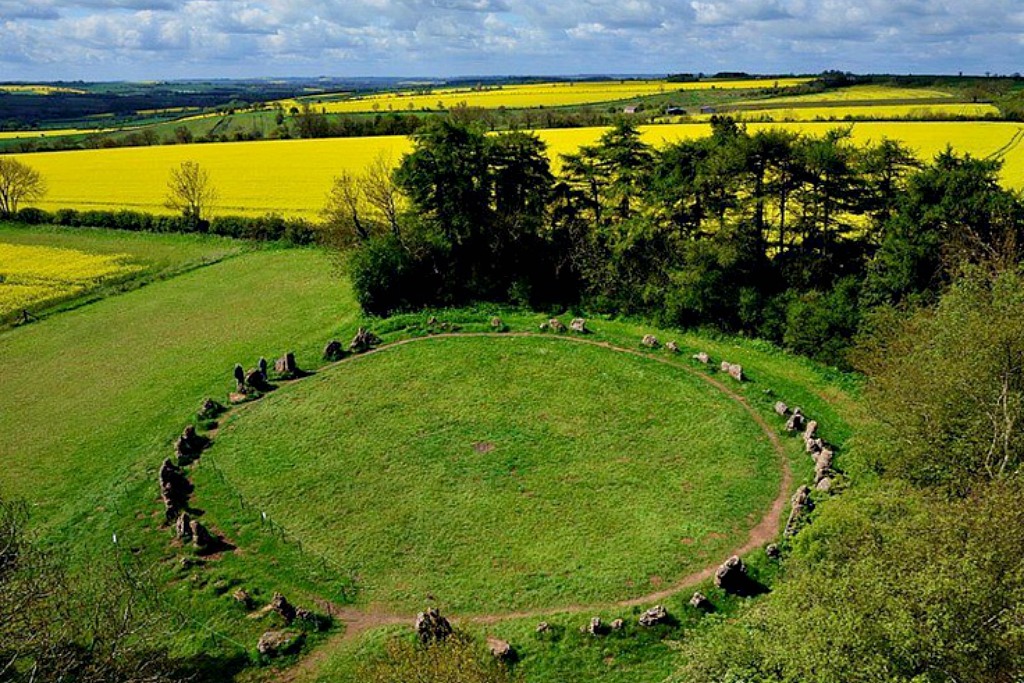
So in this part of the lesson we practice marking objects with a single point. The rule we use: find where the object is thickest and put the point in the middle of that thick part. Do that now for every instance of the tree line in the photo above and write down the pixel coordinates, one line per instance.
(784, 236)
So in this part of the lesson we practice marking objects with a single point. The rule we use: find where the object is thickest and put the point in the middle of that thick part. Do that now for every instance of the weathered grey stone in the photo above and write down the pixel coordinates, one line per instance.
(595, 627)
(497, 323)
(702, 358)
(285, 366)
(543, 627)
(579, 326)
(617, 624)
(822, 464)
(430, 626)
(800, 505)
(277, 643)
(202, 539)
(544, 327)
(363, 341)
(672, 347)
(189, 445)
(261, 365)
(256, 381)
(811, 430)
(781, 409)
(242, 596)
(239, 375)
(650, 341)
(334, 351)
(556, 325)
(175, 489)
(824, 485)
(731, 575)
(700, 601)
(813, 446)
(735, 371)
(209, 409)
(772, 551)
(654, 616)
(500, 649)
(796, 421)
(280, 604)
(183, 528)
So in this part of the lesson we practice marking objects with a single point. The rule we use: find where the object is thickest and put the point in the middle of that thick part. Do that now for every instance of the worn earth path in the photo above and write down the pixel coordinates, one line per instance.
(358, 620)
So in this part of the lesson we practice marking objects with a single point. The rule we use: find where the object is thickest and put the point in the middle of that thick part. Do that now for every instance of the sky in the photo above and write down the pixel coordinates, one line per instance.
(100, 40)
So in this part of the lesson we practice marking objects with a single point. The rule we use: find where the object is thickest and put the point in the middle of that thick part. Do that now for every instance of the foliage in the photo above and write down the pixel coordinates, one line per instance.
(19, 183)
(190, 192)
(887, 585)
(948, 384)
(101, 626)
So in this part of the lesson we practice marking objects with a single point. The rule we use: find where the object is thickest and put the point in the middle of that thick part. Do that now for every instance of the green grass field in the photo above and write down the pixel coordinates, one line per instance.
(94, 397)
(504, 474)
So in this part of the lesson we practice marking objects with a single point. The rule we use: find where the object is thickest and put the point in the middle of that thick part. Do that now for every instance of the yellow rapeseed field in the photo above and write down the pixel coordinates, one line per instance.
(292, 177)
(864, 93)
(34, 275)
(39, 89)
(530, 96)
(880, 111)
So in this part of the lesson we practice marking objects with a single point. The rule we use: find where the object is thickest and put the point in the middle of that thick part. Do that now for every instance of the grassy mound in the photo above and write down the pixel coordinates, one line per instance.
(504, 473)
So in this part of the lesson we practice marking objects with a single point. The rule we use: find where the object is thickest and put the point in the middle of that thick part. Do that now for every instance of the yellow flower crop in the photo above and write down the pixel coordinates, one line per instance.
(292, 177)
(31, 275)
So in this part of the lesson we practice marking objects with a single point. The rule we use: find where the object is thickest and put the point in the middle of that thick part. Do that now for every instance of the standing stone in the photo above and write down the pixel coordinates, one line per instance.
(242, 596)
(276, 643)
(702, 358)
(800, 505)
(239, 378)
(261, 365)
(654, 616)
(556, 325)
(543, 627)
(731, 575)
(595, 627)
(174, 489)
(256, 381)
(285, 366)
(500, 649)
(650, 341)
(796, 421)
(334, 351)
(280, 604)
(579, 325)
(701, 602)
(781, 409)
(363, 341)
(811, 430)
(189, 445)
(772, 551)
(813, 446)
(202, 539)
(822, 465)
(825, 485)
(733, 370)
(672, 347)
(430, 626)
(497, 324)
(183, 528)
(618, 625)
(209, 409)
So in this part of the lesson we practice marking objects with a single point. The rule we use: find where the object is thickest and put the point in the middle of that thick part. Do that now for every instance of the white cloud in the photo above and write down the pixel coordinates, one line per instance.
(104, 39)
